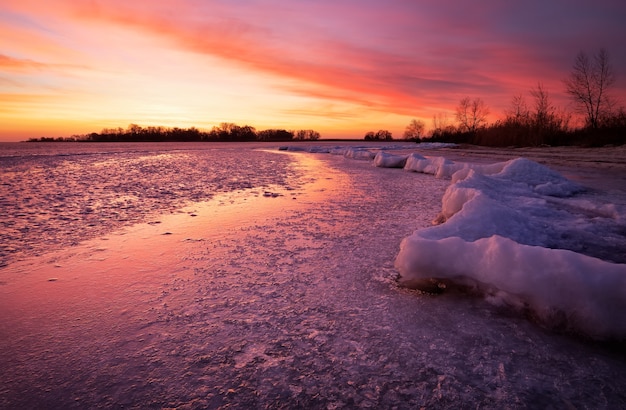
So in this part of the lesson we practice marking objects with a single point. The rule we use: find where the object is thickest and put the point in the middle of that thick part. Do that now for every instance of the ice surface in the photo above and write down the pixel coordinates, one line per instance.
(56, 195)
(520, 233)
(248, 301)
(360, 151)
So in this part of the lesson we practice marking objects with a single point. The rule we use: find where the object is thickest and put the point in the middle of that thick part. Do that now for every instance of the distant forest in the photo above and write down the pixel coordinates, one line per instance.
(226, 132)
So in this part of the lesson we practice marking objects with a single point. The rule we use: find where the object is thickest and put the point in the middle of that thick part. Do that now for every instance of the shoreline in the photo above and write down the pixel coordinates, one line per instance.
(601, 167)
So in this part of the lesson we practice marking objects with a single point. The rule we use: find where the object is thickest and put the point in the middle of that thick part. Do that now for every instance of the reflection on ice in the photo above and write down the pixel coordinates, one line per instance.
(292, 301)
(52, 201)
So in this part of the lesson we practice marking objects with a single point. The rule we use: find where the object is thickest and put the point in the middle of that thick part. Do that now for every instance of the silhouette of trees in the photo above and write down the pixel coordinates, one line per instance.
(588, 85)
(544, 110)
(471, 114)
(307, 135)
(232, 132)
(518, 113)
(275, 135)
(415, 130)
(548, 124)
(53, 139)
(381, 135)
(442, 129)
(546, 117)
(136, 133)
(524, 125)
(224, 132)
(514, 130)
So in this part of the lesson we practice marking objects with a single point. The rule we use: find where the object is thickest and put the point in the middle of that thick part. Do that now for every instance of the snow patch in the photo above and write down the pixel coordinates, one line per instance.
(562, 288)
(513, 232)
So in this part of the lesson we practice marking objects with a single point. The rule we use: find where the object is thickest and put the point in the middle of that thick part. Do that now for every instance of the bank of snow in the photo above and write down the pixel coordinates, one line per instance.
(516, 232)
(522, 235)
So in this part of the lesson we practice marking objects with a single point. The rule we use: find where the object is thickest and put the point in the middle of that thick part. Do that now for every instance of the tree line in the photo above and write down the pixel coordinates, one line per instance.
(539, 122)
(534, 123)
(225, 132)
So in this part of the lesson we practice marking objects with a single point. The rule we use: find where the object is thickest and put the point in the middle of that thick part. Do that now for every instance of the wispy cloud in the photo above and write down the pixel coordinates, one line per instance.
(398, 57)
(323, 65)
(9, 63)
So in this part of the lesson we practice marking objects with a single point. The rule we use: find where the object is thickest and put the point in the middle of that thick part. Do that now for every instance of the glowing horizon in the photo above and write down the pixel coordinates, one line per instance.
(71, 67)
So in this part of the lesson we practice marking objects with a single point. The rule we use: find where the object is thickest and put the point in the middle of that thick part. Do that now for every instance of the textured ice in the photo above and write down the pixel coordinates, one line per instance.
(506, 234)
(516, 231)
(386, 160)
(288, 301)
(67, 193)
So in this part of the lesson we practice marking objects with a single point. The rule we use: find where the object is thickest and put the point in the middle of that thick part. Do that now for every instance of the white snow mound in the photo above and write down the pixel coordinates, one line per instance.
(386, 160)
(513, 231)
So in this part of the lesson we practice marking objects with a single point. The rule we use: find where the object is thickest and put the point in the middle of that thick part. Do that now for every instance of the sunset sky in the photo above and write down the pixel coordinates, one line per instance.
(341, 67)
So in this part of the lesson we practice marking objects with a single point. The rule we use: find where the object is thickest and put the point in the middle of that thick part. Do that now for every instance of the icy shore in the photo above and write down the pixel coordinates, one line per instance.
(520, 233)
(57, 195)
(515, 231)
(255, 301)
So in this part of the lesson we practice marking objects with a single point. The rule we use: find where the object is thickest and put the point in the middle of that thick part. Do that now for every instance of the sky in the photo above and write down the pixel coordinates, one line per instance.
(341, 67)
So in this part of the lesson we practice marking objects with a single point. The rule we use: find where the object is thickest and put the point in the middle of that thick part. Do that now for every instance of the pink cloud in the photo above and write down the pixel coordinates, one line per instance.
(407, 58)
(365, 57)
(324, 66)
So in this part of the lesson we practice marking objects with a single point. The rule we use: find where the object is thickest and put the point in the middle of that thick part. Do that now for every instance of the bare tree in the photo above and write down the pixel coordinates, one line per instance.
(548, 122)
(471, 115)
(307, 135)
(441, 125)
(414, 130)
(544, 109)
(588, 84)
(518, 113)
(440, 121)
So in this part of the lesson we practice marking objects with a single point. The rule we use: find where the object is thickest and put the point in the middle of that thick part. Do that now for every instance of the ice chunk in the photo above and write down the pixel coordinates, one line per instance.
(512, 231)
(440, 167)
(416, 163)
(561, 287)
(386, 160)
(542, 179)
(359, 153)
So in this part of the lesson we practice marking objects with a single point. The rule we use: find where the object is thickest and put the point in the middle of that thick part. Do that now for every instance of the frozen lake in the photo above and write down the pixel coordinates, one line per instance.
(246, 278)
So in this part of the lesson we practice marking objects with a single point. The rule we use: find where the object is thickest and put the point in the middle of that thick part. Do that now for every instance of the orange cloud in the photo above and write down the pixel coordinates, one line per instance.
(9, 63)
(329, 69)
